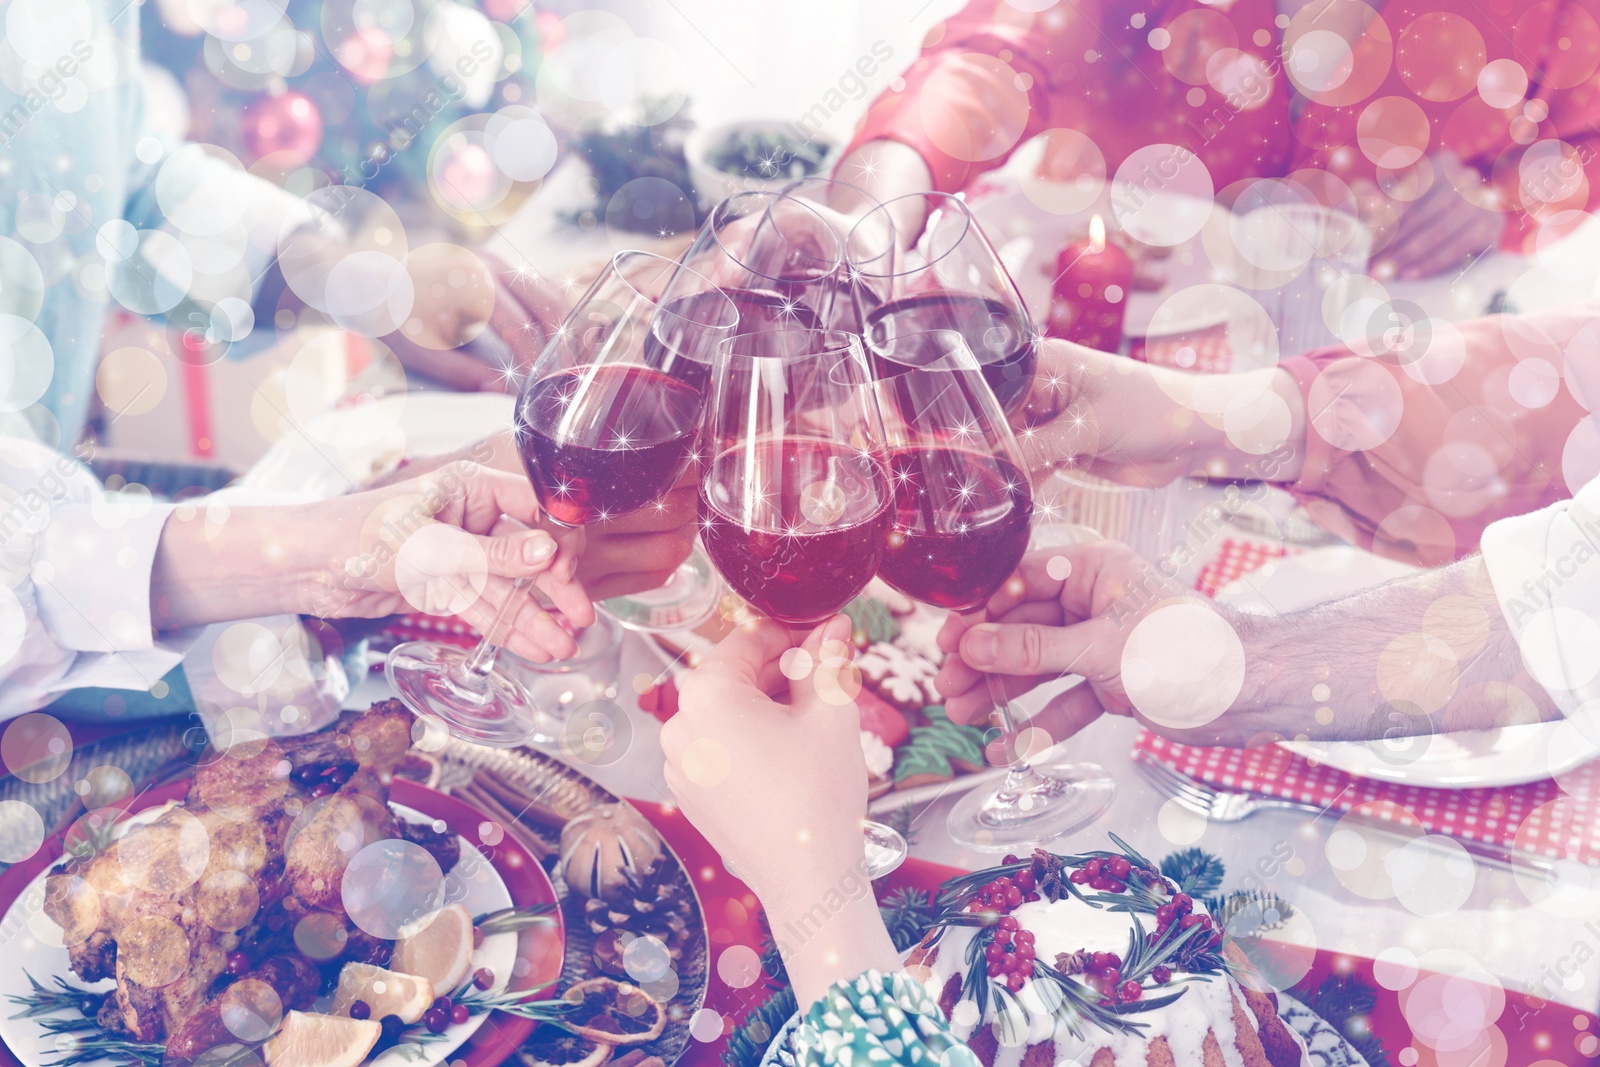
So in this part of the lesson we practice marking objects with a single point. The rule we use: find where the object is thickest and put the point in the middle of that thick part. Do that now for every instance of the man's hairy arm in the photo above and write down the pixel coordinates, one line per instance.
(1425, 654)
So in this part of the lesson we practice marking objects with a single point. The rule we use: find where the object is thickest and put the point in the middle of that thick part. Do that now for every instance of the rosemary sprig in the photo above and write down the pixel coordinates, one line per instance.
(517, 1003)
(46, 1001)
(510, 920)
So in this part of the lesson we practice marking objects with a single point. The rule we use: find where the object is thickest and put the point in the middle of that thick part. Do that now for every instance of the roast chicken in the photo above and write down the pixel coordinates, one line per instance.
(239, 883)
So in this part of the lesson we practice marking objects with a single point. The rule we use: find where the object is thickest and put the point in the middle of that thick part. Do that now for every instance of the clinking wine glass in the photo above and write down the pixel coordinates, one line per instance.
(607, 423)
(795, 499)
(963, 505)
(949, 278)
(777, 258)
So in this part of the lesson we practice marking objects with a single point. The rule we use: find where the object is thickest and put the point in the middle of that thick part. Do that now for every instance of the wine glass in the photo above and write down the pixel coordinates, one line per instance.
(949, 278)
(607, 422)
(794, 491)
(963, 505)
(777, 258)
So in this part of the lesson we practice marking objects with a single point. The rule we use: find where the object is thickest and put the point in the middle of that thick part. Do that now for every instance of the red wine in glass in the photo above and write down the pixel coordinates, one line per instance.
(605, 440)
(823, 528)
(1001, 339)
(960, 525)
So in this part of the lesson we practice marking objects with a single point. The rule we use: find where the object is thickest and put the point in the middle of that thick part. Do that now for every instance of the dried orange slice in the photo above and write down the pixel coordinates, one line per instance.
(614, 1013)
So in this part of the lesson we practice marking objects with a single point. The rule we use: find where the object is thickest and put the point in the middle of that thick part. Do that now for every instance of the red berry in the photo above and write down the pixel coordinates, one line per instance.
(1165, 914)
(1114, 886)
(1014, 982)
(1010, 858)
(238, 963)
(1002, 884)
(320, 790)
(1030, 898)
(1025, 881)
(1093, 867)
(1131, 990)
(993, 950)
(1024, 937)
(1162, 974)
(1119, 867)
(436, 1021)
(1216, 940)
(483, 979)
(360, 1009)
(1189, 920)
(996, 968)
(1008, 924)
(477, 937)
(1025, 953)
(1183, 903)
(1111, 976)
(459, 1014)
(1003, 937)
(440, 1004)
(1013, 897)
(1078, 877)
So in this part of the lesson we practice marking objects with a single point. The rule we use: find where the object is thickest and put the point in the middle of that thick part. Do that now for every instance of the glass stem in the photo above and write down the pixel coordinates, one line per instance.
(1017, 767)
(473, 670)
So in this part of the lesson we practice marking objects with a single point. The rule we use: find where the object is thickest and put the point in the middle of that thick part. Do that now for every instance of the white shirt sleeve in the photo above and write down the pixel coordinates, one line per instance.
(75, 564)
(1545, 567)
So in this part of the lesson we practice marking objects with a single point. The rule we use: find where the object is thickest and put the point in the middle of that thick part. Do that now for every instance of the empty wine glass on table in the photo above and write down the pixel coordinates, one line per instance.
(949, 278)
(607, 423)
(795, 498)
(962, 510)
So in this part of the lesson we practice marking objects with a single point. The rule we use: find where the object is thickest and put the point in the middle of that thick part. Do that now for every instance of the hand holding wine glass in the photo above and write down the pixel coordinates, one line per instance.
(606, 425)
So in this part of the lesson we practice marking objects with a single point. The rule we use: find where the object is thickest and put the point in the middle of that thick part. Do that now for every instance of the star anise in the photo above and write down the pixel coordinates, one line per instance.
(1051, 874)
(1077, 962)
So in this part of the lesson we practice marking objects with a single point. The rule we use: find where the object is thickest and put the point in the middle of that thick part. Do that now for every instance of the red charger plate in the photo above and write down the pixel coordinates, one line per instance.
(542, 947)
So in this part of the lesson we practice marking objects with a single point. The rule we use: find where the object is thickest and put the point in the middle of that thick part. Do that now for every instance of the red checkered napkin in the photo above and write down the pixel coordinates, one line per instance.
(1236, 558)
(419, 627)
(1556, 820)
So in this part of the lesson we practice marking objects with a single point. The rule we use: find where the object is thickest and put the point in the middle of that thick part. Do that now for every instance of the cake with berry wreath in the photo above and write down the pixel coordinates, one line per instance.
(1095, 960)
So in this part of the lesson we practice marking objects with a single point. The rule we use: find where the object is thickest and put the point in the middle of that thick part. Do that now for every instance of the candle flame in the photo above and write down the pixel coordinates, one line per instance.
(1097, 235)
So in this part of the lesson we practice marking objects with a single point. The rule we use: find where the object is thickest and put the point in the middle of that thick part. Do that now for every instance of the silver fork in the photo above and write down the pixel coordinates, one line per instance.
(1220, 806)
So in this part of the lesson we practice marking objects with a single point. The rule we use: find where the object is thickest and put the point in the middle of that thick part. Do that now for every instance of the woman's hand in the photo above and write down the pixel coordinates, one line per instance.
(453, 541)
(1139, 424)
(632, 554)
(764, 757)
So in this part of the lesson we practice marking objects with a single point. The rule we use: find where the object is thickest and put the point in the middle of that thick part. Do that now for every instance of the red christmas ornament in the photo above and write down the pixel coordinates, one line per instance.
(287, 127)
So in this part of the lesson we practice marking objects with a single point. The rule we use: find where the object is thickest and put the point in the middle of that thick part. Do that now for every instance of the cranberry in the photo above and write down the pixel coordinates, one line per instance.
(1165, 914)
(440, 1004)
(1025, 881)
(1014, 982)
(1111, 976)
(996, 968)
(1010, 858)
(238, 963)
(1093, 867)
(1119, 867)
(1162, 974)
(1008, 924)
(477, 937)
(1025, 953)
(1024, 937)
(1189, 920)
(1131, 990)
(459, 1014)
(1030, 898)
(1078, 877)
(1216, 940)
(436, 1021)
(1114, 886)
(483, 978)
(391, 1025)
(1013, 897)
(1183, 902)
(320, 790)
(1003, 936)
(993, 950)
(360, 1009)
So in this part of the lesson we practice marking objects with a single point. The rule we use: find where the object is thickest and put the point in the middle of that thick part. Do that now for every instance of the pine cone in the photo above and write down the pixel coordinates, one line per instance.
(654, 904)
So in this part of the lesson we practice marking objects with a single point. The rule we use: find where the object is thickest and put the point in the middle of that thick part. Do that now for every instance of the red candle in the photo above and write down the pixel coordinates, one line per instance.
(1089, 297)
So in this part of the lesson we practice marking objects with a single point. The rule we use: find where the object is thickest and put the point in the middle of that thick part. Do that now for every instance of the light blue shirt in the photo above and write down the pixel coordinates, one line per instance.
(98, 207)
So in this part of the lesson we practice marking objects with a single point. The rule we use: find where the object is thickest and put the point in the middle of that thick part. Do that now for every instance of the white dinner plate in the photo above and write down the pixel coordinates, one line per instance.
(31, 942)
(1511, 755)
